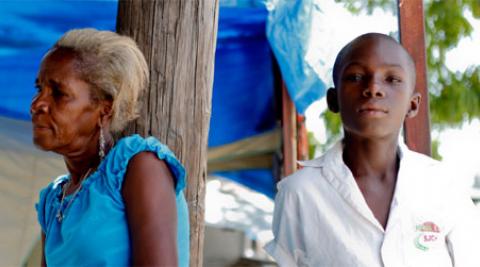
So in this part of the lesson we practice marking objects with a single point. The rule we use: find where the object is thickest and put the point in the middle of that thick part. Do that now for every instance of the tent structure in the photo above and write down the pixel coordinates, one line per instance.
(244, 132)
(243, 88)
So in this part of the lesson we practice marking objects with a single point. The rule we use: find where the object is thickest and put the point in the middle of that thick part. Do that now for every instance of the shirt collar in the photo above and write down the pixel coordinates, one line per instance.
(341, 178)
(335, 155)
(331, 155)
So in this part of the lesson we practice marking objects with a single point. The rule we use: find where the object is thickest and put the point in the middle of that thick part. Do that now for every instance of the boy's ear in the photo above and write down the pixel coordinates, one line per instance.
(415, 101)
(332, 100)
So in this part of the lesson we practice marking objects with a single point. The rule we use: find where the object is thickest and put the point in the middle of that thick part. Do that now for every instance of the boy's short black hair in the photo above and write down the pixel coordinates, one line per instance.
(347, 49)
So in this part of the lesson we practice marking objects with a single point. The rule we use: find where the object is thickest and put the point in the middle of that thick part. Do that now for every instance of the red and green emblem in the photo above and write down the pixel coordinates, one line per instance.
(427, 234)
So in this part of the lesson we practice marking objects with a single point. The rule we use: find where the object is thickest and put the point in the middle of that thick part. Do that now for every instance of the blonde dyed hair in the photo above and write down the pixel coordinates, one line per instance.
(114, 66)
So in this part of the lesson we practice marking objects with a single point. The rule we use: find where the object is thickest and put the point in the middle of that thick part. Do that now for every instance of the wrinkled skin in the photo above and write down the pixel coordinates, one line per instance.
(66, 120)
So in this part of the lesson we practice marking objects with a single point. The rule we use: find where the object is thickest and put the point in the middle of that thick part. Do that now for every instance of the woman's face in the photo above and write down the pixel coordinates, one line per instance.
(65, 117)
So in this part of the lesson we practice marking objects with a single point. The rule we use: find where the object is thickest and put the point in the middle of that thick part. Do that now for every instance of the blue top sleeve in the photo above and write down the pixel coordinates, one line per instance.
(116, 164)
(40, 207)
(99, 208)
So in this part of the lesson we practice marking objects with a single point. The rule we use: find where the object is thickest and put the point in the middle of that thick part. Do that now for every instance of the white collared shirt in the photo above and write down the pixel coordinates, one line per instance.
(322, 219)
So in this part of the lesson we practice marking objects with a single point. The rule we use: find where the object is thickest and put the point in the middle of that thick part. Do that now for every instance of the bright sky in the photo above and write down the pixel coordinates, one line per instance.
(458, 147)
(466, 53)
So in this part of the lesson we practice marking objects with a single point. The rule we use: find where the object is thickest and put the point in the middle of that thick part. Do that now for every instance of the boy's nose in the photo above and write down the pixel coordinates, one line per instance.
(372, 89)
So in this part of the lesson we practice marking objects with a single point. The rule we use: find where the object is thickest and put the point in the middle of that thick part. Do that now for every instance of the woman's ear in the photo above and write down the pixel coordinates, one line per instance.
(332, 100)
(106, 111)
(415, 101)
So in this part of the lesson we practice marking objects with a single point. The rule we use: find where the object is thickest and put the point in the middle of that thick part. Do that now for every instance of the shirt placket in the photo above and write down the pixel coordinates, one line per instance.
(392, 251)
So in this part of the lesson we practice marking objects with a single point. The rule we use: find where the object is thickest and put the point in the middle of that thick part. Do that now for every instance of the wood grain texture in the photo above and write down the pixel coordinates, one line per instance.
(289, 128)
(412, 37)
(178, 39)
(302, 139)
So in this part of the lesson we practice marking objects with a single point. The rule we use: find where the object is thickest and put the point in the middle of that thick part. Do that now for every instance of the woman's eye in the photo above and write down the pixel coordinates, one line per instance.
(57, 92)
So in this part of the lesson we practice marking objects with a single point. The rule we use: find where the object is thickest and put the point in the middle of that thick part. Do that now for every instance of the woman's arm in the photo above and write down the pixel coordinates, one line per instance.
(43, 263)
(149, 194)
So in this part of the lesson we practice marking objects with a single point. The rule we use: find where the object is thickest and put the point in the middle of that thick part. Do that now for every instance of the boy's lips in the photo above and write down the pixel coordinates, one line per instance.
(372, 110)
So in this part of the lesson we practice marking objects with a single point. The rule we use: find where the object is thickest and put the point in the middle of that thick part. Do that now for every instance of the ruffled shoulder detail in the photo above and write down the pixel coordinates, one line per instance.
(47, 204)
(115, 164)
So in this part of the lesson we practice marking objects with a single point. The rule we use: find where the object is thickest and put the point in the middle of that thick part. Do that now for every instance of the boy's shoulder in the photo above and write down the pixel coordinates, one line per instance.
(414, 164)
(431, 178)
(299, 180)
(311, 173)
(419, 158)
(424, 164)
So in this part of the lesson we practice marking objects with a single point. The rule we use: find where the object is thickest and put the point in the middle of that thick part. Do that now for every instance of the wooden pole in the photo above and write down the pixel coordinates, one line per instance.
(289, 129)
(178, 39)
(412, 37)
(302, 139)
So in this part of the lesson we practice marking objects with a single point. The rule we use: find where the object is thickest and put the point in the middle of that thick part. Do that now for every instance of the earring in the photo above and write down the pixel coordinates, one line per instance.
(101, 151)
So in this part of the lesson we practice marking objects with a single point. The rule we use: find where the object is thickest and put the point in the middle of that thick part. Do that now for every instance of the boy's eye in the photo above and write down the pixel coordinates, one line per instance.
(393, 79)
(355, 77)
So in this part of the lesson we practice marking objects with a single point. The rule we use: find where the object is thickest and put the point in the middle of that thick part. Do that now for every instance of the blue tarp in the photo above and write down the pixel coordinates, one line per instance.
(27, 30)
(290, 30)
(242, 103)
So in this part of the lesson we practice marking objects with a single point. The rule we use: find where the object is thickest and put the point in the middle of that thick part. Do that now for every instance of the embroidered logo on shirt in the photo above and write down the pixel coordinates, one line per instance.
(428, 232)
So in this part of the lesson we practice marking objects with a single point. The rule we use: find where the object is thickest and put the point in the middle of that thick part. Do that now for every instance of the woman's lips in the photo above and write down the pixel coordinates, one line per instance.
(40, 128)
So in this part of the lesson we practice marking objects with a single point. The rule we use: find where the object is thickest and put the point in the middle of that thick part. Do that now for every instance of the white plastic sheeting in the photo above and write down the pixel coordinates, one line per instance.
(24, 170)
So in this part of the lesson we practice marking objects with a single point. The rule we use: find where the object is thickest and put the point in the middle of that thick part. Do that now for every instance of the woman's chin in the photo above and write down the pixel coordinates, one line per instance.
(42, 143)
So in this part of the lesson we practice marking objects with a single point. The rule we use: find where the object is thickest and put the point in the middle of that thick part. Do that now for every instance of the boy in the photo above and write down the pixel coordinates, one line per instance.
(369, 201)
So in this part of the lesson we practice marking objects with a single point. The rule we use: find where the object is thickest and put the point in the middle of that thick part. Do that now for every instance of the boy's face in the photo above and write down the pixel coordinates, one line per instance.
(376, 88)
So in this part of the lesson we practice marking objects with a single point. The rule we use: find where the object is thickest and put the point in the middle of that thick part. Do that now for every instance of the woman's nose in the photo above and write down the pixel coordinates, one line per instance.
(39, 104)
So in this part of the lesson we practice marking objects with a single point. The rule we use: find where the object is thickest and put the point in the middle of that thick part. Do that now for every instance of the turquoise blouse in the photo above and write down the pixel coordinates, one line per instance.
(94, 231)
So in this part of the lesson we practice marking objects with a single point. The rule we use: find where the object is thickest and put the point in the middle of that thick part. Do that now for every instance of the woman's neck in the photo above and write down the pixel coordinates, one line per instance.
(86, 160)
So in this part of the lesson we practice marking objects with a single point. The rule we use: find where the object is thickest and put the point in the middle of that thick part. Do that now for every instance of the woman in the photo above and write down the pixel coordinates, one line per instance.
(121, 203)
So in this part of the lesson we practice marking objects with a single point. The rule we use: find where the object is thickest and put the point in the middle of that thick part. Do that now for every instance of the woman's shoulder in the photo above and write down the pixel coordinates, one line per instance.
(134, 144)
(126, 148)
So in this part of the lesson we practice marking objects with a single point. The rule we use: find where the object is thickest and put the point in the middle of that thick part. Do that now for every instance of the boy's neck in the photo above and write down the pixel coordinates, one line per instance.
(371, 158)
